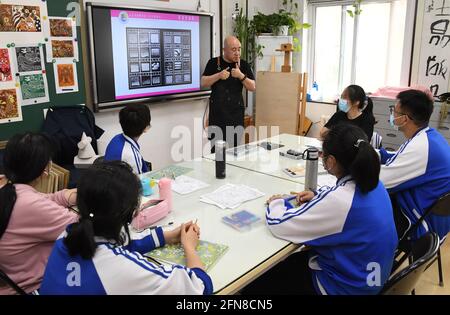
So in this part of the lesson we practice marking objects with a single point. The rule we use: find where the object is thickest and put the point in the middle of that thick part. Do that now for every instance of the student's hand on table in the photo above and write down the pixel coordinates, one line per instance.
(189, 237)
(174, 236)
(275, 197)
(304, 197)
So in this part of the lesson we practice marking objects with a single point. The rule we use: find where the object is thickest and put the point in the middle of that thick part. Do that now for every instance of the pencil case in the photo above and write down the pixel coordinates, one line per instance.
(149, 216)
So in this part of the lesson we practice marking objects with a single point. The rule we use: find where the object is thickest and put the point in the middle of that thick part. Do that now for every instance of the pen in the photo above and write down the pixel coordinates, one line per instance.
(161, 226)
(155, 227)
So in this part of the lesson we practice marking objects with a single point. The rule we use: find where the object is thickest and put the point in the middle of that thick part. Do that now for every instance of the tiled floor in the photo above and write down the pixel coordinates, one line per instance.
(429, 283)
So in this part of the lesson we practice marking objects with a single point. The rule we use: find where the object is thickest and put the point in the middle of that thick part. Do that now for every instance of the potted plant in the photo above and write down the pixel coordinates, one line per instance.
(246, 31)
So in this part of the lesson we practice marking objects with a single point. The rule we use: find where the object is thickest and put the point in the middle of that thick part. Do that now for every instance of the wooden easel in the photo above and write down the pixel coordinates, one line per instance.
(287, 49)
(304, 123)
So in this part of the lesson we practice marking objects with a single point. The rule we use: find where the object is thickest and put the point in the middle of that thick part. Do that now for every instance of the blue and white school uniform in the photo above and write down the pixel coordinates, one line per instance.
(123, 148)
(419, 173)
(351, 235)
(120, 270)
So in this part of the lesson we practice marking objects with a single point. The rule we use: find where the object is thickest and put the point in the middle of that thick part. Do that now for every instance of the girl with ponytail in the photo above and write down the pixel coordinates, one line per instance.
(349, 227)
(102, 256)
(356, 108)
(30, 222)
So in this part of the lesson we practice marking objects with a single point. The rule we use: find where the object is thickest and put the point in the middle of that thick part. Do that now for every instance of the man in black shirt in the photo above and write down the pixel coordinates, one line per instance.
(227, 75)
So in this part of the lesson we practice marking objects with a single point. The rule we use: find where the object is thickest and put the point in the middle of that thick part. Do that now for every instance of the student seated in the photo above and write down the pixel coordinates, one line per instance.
(99, 255)
(355, 108)
(349, 228)
(30, 221)
(135, 120)
(419, 172)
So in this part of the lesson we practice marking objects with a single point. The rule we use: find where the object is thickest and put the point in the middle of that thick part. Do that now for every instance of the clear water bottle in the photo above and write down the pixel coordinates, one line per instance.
(311, 155)
(220, 147)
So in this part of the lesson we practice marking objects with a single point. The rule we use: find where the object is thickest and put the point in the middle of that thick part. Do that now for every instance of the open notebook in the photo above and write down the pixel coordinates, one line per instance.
(209, 253)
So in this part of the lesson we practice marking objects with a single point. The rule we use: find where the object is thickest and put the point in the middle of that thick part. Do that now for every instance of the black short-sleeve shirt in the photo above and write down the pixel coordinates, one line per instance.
(226, 102)
(365, 121)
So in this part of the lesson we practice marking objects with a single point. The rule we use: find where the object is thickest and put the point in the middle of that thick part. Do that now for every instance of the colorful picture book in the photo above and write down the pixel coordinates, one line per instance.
(209, 254)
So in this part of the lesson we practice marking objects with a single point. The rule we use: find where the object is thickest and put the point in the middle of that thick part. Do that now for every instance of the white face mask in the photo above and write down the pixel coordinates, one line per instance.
(392, 120)
(343, 106)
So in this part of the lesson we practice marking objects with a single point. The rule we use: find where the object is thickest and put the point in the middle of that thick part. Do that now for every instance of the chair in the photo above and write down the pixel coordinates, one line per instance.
(7, 280)
(420, 253)
(440, 208)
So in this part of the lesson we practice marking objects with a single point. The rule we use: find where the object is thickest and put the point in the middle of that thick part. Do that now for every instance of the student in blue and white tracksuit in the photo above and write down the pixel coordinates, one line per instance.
(349, 228)
(419, 172)
(135, 120)
(99, 256)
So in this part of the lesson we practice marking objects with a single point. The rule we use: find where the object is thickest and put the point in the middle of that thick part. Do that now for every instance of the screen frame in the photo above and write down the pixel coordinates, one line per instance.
(97, 105)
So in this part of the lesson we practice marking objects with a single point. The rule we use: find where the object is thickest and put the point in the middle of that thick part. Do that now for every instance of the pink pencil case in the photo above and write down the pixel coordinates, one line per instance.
(148, 216)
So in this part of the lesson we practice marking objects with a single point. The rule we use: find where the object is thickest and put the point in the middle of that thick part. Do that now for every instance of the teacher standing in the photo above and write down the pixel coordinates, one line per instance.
(227, 75)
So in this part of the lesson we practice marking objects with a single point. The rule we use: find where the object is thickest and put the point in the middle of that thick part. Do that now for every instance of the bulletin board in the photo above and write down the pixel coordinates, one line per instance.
(32, 116)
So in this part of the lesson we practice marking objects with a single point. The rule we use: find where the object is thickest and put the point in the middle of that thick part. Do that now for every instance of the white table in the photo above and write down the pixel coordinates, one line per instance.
(250, 253)
(270, 162)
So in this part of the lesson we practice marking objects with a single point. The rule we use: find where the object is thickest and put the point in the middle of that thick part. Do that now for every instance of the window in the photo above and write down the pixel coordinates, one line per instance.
(368, 50)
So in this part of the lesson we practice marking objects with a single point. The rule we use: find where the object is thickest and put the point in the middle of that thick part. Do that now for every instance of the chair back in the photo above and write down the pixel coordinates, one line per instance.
(5, 280)
(421, 252)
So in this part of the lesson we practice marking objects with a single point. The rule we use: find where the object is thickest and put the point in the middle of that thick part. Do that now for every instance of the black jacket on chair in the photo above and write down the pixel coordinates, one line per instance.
(65, 126)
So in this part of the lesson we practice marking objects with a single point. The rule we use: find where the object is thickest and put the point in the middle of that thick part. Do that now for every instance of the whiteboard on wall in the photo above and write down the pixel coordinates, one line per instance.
(434, 62)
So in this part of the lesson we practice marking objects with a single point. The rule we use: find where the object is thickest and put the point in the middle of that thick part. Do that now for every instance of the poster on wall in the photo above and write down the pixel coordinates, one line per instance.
(5, 66)
(66, 78)
(21, 21)
(31, 75)
(62, 27)
(61, 38)
(435, 48)
(10, 110)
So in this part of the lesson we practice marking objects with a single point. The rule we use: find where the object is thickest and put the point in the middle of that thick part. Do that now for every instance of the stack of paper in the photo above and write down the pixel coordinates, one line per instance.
(231, 196)
(184, 185)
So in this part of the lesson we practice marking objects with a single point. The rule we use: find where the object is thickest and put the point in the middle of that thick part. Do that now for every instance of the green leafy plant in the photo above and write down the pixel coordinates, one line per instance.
(356, 10)
(245, 31)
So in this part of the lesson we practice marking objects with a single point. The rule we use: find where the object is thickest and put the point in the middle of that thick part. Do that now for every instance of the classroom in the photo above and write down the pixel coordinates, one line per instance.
(235, 148)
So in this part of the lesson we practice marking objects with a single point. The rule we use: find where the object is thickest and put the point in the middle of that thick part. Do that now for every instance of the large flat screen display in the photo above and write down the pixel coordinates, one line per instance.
(143, 55)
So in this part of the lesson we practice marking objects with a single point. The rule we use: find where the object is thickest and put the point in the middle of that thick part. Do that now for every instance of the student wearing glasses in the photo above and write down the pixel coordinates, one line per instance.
(349, 228)
(419, 172)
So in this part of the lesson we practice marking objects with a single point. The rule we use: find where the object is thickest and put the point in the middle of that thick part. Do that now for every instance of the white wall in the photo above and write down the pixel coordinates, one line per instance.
(156, 145)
